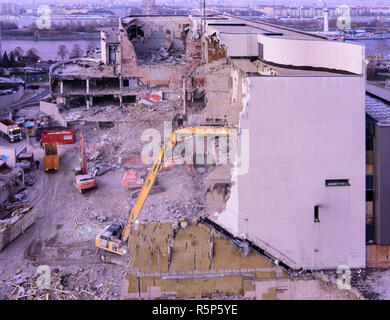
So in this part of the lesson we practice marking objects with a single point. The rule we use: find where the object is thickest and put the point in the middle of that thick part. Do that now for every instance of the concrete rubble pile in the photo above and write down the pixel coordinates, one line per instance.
(163, 55)
(68, 283)
(13, 216)
(103, 156)
(14, 223)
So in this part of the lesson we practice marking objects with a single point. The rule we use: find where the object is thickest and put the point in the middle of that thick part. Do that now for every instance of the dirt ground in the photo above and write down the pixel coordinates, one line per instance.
(67, 222)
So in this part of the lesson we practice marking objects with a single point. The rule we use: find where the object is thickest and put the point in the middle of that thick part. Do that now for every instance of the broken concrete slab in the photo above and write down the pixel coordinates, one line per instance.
(19, 220)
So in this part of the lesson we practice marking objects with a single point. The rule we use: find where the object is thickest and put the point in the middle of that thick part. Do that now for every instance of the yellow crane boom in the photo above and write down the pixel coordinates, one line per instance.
(111, 239)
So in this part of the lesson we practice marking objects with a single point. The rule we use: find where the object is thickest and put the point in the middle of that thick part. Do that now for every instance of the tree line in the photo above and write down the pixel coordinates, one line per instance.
(76, 51)
(17, 58)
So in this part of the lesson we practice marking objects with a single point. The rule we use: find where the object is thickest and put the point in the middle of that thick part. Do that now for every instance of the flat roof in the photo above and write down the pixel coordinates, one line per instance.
(377, 109)
(230, 24)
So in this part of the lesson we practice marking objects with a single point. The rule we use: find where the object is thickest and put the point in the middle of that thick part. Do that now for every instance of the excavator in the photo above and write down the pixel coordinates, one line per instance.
(113, 238)
(84, 180)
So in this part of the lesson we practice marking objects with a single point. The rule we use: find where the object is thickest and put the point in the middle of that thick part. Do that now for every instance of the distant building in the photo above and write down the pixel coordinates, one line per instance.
(149, 6)
(9, 8)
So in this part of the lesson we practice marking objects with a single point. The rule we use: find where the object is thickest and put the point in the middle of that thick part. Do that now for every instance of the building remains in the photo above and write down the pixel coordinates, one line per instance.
(284, 197)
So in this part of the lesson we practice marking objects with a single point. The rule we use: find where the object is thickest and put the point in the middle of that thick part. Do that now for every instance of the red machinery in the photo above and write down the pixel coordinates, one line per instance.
(58, 136)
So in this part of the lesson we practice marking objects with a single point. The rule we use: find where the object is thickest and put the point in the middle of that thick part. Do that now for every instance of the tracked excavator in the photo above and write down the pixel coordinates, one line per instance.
(84, 180)
(114, 237)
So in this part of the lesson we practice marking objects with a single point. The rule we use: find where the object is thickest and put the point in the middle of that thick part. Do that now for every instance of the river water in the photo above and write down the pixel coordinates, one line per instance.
(371, 46)
(47, 50)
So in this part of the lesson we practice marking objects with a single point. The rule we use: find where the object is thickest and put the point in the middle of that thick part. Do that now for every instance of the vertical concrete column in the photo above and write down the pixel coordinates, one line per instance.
(120, 101)
(184, 97)
(121, 84)
(89, 102)
(61, 86)
(87, 86)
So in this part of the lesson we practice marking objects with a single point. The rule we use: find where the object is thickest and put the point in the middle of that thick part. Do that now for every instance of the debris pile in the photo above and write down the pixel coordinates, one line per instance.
(69, 283)
(14, 215)
(103, 156)
(168, 56)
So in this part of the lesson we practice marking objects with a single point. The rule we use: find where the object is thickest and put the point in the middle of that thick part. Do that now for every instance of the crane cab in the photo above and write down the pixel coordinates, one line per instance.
(110, 239)
(85, 182)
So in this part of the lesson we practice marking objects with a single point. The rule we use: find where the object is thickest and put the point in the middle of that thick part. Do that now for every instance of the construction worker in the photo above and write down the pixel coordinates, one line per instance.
(37, 163)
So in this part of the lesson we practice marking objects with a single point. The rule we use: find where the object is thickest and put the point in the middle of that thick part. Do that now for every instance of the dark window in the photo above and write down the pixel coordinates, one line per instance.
(369, 144)
(261, 51)
(369, 182)
(125, 82)
(369, 195)
(370, 231)
(316, 213)
(112, 55)
(337, 182)
(129, 99)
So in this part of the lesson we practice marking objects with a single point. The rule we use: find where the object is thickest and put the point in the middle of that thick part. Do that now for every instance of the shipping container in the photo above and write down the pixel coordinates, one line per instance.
(58, 136)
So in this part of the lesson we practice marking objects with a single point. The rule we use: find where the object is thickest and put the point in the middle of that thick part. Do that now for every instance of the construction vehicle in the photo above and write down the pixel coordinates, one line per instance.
(113, 238)
(51, 157)
(10, 130)
(84, 180)
(135, 179)
(50, 141)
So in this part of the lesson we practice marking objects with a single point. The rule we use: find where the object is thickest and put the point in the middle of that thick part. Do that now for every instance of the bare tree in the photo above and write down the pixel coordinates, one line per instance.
(382, 48)
(77, 51)
(32, 55)
(18, 53)
(62, 51)
(91, 46)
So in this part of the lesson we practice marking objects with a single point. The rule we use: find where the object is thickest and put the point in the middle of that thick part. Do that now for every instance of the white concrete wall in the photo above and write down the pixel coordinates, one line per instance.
(322, 54)
(103, 47)
(302, 131)
(284, 51)
(51, 109)
(240, 45)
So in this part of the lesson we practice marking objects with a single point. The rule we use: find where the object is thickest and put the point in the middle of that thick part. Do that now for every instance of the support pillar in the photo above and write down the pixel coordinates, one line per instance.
(89, 102)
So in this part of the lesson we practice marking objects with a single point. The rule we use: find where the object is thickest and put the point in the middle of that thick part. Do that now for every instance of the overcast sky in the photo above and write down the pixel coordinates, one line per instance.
(240, 2)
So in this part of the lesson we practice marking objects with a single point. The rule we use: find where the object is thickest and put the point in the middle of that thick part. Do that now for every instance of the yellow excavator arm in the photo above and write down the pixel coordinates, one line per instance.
(158, 165)
(108, 239)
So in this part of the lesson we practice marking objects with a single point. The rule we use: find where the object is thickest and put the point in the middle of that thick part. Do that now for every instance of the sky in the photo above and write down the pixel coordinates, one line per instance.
(240, 2)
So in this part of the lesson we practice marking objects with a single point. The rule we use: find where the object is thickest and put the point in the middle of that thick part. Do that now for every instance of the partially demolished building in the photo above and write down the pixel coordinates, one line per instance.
(138, 59)
(297, 100)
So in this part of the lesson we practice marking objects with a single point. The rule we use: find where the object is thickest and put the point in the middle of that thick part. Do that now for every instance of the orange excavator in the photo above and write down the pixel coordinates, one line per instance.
(84, 180)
